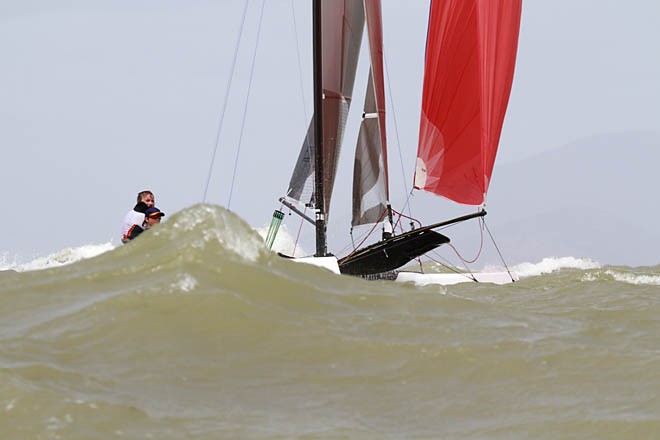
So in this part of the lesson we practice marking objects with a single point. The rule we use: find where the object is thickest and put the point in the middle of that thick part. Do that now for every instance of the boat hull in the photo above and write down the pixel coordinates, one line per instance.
(329, 263)
(393, 253)
(422, 279)
(446, 279)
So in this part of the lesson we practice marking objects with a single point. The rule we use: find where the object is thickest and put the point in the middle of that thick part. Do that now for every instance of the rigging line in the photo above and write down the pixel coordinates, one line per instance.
(458, 254)
(307, 141)
(247, 100)
(300, 75)
(410, 195)
(351, 245)
(396, 133)
(295, 246)
(481, 246)
(224, 107)
(451, 267)
(498, 251)
(382, 216)
(402, 215)
(362, 237)
(447, 265)
(398, 222)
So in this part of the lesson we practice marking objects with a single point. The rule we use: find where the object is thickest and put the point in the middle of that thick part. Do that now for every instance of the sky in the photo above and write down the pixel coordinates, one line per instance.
(101, 99)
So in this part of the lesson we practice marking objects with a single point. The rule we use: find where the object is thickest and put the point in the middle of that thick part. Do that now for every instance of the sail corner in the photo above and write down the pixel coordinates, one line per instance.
(420, 174)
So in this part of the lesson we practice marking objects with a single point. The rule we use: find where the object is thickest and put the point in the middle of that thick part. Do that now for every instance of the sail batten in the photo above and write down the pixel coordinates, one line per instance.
(470, 58)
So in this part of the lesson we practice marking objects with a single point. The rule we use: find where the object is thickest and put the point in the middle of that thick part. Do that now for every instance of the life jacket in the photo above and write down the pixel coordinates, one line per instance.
(133, 232)
(132, 218)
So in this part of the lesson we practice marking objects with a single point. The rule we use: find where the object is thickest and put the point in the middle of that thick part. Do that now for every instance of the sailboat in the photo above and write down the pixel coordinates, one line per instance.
(470, 57)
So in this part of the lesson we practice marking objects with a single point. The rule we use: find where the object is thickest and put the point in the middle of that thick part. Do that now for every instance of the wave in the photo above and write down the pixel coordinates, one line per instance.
(284, 242)
(60, 258)
(554, 264)
(201, 249)
(195, 227)
(210, 233)
(629, 276)
(196, 318)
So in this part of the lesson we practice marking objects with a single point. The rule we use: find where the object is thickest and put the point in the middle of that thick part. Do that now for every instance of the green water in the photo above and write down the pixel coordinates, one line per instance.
(194, 331)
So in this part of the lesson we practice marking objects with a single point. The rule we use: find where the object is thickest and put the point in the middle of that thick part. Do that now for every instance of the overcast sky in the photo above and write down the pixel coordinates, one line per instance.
(101, 99)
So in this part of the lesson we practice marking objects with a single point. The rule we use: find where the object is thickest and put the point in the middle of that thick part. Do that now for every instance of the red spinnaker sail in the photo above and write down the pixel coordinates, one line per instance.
(470, 57)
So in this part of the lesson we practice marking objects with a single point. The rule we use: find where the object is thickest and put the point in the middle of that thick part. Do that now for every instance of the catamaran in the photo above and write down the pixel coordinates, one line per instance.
(470, 57)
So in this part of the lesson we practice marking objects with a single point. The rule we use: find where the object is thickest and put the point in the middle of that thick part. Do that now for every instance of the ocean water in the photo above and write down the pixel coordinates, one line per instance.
(194, 331)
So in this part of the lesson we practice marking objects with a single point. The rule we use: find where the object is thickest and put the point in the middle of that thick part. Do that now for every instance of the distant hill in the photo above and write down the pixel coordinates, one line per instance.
(596, 198)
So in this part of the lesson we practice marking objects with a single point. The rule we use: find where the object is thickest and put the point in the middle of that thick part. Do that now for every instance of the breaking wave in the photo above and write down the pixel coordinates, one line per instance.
(203, 228)
(56, 259)
(549, 265)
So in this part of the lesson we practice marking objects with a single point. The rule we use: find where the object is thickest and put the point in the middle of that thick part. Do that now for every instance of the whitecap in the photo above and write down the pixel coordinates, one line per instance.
(186, 283)
(60, 258)
(551, 264)
(284, 242)
(633, 278)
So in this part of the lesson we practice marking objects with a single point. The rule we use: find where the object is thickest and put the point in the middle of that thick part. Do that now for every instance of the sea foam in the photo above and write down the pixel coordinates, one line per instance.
(550, 264)
(60, 258)
(284, 242)
(634, 278)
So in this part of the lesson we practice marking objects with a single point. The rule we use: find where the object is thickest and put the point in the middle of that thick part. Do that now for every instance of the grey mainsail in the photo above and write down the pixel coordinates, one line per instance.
(342, 28)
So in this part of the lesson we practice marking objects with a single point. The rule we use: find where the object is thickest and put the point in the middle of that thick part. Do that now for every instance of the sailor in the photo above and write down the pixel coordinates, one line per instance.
(145, 200)
(152, 217)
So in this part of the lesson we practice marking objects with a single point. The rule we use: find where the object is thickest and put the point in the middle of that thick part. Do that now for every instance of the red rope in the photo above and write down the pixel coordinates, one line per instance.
(405, 216)
(481, 247)
(402, 215)
(419, 260)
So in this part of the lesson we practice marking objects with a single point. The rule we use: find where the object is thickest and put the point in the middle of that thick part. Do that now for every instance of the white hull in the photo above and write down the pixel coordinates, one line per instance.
(422, 279)
(329, 263)
(447, 279)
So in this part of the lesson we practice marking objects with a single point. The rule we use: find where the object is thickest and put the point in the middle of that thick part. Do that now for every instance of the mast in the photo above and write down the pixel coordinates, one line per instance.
(336, 36)
(319, 197)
